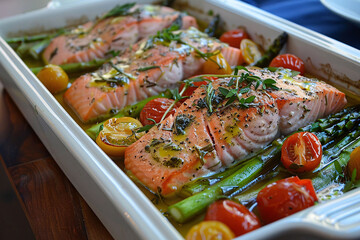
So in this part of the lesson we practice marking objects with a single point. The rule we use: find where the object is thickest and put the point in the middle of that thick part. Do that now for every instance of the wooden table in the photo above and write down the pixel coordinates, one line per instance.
(53, 207)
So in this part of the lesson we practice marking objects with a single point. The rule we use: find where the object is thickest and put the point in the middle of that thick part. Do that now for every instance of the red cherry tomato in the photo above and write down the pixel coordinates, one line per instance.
(288, 61)
(189, 91)
(236, 216)
(234, 37)
(301, 152)
(285, 197)
(155, 109)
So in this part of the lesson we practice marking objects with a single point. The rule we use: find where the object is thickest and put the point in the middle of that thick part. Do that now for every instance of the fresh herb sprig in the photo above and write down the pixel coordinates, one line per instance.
(166, 36)
(177, 96)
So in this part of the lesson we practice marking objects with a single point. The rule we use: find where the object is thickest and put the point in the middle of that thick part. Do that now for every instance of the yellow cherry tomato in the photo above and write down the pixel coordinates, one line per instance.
(210, 230)
(216, 64)
(250, 51)
(54, 78)
(117, 134)
(354, 163)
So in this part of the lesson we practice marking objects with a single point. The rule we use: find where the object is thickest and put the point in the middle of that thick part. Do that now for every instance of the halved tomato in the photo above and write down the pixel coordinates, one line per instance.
(210, 230)
(250, 51)
(285, 197)
(117, 134)
(155, 109)
(216, 64)
(289, 61)
(301, 152)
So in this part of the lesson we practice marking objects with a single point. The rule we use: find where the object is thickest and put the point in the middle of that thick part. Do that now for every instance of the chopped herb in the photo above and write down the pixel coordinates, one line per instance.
(146, 68)
(174, 162)
(203, 151)
(210, 93)
(145, 128)
(182, 121)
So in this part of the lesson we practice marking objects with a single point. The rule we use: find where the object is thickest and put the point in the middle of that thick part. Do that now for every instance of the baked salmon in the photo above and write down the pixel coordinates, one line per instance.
(196, 141)
(149, 67)
(113, 33)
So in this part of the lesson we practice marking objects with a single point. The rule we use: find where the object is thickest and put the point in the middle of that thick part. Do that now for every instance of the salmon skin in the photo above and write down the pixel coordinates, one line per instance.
(113, 34)
(195, 142)
(149, 67)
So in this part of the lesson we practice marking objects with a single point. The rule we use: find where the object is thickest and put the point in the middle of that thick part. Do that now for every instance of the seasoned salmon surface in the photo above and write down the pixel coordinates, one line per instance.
(196, 141)
(94, 39)
(147, 68)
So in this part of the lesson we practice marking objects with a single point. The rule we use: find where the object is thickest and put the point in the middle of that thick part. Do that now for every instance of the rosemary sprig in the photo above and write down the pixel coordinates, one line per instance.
(120, 71)
(146, 68)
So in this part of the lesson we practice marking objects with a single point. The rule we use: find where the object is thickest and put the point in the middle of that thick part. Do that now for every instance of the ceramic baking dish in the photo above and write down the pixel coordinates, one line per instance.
(125, 211)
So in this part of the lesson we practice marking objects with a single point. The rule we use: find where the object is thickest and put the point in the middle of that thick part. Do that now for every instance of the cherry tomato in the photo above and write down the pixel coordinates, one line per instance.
(285, 197)
(216, 64)
(250, 51)
(189, 91)
(236, 216)
(155, 109)
(54, 78)
(288, 61)
(234, 37)
(354, 163)
(117, 134)
(301, 152)
(210, 230)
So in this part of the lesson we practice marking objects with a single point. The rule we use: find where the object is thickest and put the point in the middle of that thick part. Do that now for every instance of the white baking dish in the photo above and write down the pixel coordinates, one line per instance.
(110, 193)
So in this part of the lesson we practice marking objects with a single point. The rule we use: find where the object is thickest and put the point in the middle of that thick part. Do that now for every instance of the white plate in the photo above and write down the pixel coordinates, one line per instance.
(349, 9)
(124, 210)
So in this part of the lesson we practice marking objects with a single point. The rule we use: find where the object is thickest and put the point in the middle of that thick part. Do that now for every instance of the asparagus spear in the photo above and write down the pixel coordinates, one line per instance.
(130, 111)
(323, 126)
(272, 51)
(34, 38)
(213, 26)
(77, 67)
(323, 176)
(188, 208)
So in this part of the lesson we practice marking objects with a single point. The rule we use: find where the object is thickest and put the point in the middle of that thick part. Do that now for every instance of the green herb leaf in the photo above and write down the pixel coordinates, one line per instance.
(122, 10)
(176, 94)
(223, 91)
(338, 168)
(353, 175)
(145, 128)
(294, 73)
(249, 99)
(146, 68)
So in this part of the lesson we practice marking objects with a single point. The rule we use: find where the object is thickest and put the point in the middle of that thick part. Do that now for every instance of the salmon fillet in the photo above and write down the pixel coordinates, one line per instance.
(165, 159)
(146, 69)
(95, 39)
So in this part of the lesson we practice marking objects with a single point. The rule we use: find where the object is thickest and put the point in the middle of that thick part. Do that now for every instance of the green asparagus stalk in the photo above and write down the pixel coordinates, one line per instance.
(329, 156)
(35, 50)
(23, 49)
(128, 111)
(322, 126)
(77, 67)
(200, 184)
(33, 38)
(188, 208)
(327, 175)
(213, 26)
(272, 51)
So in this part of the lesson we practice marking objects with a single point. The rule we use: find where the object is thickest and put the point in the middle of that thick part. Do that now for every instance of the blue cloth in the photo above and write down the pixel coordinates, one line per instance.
(313, 15)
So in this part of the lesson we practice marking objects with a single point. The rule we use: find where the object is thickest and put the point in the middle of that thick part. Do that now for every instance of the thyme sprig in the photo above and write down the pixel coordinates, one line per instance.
(166, 36)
